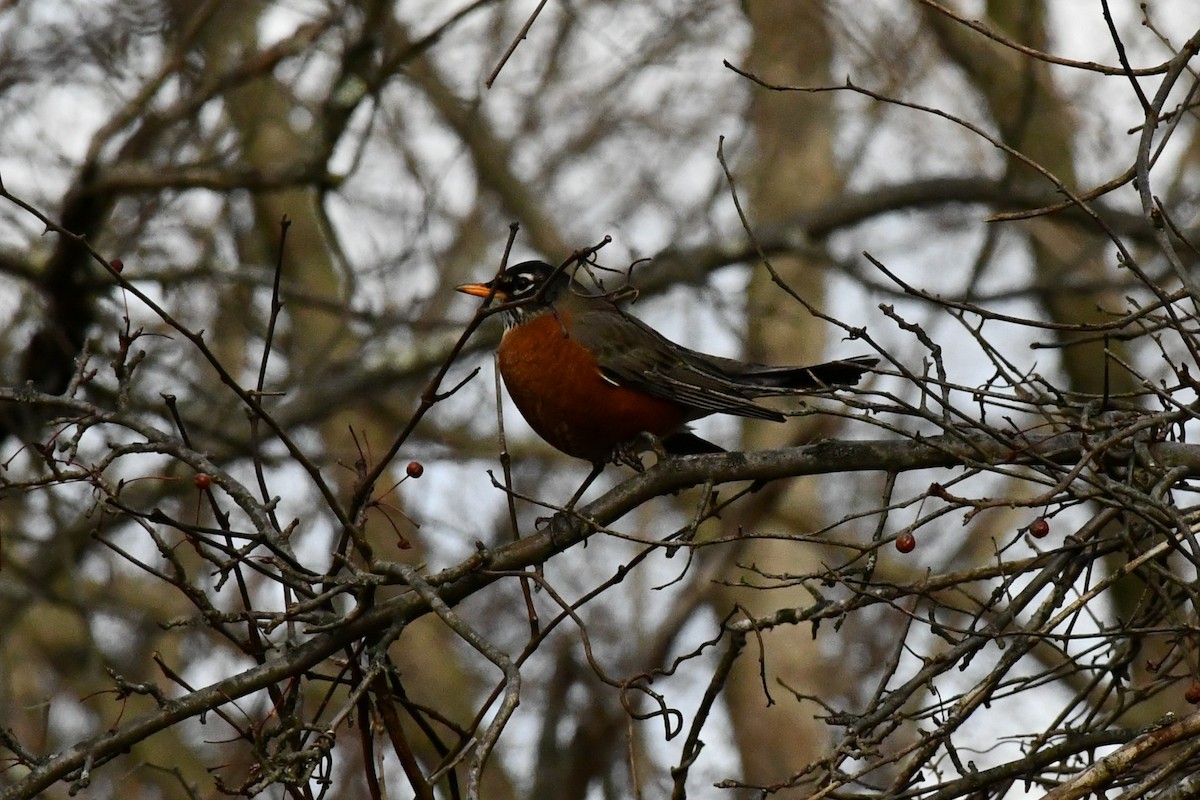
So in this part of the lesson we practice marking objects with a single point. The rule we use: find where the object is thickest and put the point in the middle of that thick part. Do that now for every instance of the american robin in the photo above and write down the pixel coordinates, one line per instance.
(590, 379)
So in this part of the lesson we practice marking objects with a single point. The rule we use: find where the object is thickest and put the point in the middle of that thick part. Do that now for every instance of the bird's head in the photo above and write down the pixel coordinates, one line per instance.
(523, 282)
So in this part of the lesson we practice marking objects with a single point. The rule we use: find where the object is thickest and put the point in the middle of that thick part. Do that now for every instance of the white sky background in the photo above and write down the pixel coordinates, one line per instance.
(40, 147)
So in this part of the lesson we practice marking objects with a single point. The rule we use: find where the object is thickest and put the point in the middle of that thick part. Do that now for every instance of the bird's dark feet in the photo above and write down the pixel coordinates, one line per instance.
(629, 453)
(595, 473)
(679, 443)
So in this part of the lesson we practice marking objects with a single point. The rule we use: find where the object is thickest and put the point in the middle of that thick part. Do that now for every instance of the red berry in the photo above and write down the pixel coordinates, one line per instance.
(906, 542)
(414, 469)
(1192, 695)
(202, 480)
(117, 264)
(1039, 528)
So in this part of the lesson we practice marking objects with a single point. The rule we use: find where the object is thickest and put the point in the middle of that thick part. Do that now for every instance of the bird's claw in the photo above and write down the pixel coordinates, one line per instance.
(629, 453)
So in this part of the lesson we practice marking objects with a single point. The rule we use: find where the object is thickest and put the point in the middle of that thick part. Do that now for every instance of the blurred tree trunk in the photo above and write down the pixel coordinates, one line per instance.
(266, 118)
(793, 169)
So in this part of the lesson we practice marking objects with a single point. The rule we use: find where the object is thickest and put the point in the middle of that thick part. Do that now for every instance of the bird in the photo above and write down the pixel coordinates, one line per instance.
(592, 380)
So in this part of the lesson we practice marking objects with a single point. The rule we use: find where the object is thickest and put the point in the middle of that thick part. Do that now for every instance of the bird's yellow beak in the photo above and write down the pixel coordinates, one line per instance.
(479, 290)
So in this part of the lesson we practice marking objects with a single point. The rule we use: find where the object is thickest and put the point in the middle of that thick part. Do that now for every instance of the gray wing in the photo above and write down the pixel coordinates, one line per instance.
(633, 354)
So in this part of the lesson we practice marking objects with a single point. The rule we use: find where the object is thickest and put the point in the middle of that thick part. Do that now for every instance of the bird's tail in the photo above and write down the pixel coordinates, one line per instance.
(686, 443)
(844, 372)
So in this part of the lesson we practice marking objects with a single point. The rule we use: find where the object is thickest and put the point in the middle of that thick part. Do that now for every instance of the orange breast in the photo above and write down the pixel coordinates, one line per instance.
(559, 390)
